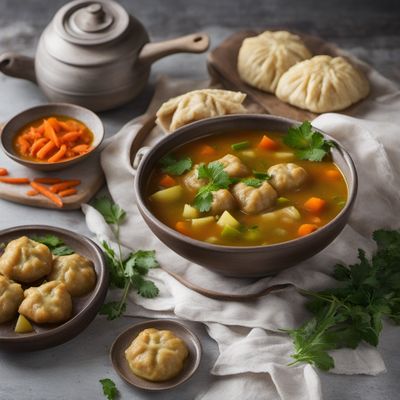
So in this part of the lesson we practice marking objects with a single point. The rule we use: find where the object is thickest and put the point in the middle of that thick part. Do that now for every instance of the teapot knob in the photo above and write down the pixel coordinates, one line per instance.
(92, 18)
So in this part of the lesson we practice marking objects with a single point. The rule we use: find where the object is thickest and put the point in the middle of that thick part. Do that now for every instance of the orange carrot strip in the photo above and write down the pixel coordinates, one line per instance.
(181, 227)
(71, 136)
(24, 145)
(67, 192)
(59, 155)
(167, 181)
(46, 192)
(267, 143)
(58, 187)
(42, 153)
(40, 129)
(37, 145)
(80, 148)
(3, 171)
(207, 150)
(315, 204)
(64, 126)
(16, 181)
(316, 220)
(48, 181)
(54, 123)
(306, 229)
(50, 133)
(32, 192)
(333, 174)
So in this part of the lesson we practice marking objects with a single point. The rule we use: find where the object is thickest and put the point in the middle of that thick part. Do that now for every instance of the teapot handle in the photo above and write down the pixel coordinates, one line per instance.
(18, 66)
(194, 43)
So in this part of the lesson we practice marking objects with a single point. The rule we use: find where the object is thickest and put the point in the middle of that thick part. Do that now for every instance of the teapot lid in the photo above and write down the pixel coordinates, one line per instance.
(91, 22)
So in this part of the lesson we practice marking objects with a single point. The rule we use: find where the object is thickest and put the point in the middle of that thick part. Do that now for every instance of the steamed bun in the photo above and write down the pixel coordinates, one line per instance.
(264, 58)
(196, 105)
(322, 84)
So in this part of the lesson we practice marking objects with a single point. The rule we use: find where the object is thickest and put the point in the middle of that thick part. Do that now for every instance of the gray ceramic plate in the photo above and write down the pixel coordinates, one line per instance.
(123, 341)
(84, 308)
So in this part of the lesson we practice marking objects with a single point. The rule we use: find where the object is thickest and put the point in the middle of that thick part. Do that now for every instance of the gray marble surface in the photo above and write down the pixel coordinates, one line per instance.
(370, 29)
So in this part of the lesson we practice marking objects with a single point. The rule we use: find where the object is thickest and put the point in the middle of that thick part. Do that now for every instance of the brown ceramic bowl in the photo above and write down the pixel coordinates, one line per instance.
(85, 308)
(252, 261)
(16, 123)
(124, 340)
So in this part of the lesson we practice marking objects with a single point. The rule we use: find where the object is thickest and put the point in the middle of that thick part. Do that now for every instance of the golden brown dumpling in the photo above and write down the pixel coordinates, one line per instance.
(323, 84)
(233, 166)
(287, 176)
(48, 303)
(11, 296)
(156, 355)
(196, 105)
(264, 58)
(25, 260)
(76, 272)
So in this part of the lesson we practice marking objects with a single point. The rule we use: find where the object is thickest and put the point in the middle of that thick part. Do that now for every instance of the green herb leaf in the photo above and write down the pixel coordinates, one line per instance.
(62, 250)
(148, 289)
(170, 165)
(254, 182)
(112, 212)
(55, 244)
(262, 175)
(310, 144)
(110, 391)
(240, 145)
(113, 309)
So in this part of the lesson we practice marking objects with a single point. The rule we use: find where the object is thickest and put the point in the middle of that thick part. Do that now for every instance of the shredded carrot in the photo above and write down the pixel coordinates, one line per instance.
(48, 181)
(23, 145)
(71, 136)
(315, 205)
(333, 174)
(306, 229)
(32, 192)
(3, 171)
(46, 149)
(181, 227)
(267, 143)
(50, 133)
(54, 124)
(16, 181)
(58, 187)
(167, 181)
(207, 150)
(67, 192)
(59, 155)
(46, 192)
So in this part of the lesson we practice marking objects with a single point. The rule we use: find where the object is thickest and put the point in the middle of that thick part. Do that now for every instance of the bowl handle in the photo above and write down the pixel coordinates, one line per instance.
(139, 156)
(194, 43)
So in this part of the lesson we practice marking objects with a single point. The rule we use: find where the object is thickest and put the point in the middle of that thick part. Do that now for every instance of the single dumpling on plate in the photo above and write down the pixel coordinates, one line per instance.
(76, 272)
(287, 176)
(25, 260)
(11, 296)
(156, 355)
(264, 58)
(48, 303)
(198, 104)
(323, 84)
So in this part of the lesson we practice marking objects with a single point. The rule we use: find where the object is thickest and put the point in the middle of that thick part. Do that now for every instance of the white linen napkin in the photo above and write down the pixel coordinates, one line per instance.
(253, 358)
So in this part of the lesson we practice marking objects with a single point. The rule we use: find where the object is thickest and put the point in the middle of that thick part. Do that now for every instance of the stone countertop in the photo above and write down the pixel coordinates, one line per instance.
(367, 28)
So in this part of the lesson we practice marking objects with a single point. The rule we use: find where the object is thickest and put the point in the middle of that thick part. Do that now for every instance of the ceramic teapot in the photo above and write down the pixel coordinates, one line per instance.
(93, 53)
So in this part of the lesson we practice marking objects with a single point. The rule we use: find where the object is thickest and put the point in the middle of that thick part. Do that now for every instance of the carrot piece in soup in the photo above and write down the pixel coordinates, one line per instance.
(315, 204)
(50, 133)
(45, 150)
(46, 192)
(24, 145)
(81, 148)
(71, 136)
(167, 181)
(181, 227)
(333, 174)
(55, 124)
(37, 145)
(267, 143)
(306, 229)
(3, 171)
(59, 155)
(207, 150)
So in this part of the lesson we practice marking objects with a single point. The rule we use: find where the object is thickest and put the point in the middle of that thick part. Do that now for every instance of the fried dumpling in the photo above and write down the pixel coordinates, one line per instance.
(11, 296)
(264, 58)
(323, 84)
(198, 104)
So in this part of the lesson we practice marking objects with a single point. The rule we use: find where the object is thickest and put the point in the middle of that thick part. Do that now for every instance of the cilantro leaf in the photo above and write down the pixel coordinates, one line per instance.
(113, 309)
(310, 144)
(109, 389)
(55, 244)
(254, 182)
(171, 165)
(112, 212)
(262, 175)
(148, 289)
(62, 250)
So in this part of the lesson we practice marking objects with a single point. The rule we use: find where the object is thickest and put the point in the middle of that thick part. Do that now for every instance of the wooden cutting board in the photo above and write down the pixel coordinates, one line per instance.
(88, 171)
(222, 63)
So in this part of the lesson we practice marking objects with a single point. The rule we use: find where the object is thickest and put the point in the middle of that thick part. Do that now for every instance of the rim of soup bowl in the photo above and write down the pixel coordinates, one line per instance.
(143, 208)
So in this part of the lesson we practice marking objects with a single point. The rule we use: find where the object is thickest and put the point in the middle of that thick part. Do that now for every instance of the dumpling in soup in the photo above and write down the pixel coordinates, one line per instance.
(76, 272)
(233, 166)
(25, 260)
(48, 303)
(287, 176)
(198, 104)
(191, 181)
(222, 201)
(253, 200)
(11, 296)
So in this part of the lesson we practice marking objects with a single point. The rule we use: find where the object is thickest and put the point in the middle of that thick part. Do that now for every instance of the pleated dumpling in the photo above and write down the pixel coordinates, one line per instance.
(198, 104)
(264, 58)
(323, 84)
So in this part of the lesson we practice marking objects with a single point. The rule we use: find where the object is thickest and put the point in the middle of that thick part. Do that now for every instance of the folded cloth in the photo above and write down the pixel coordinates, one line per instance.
(254, 354)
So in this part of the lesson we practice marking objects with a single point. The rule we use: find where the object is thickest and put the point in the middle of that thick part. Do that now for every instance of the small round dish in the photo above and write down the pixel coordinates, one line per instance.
(123, 341)
(16, 123)
(85, 308)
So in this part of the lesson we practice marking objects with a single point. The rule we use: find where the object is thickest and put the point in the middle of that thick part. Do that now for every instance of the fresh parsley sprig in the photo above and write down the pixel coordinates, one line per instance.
(309, 144)
(171, 165)
(353, 312)
(55, 244)
(110, 390)
(125, 273)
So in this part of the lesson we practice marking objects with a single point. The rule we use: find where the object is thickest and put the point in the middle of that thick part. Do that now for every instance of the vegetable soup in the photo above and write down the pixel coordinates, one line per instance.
(247, 188)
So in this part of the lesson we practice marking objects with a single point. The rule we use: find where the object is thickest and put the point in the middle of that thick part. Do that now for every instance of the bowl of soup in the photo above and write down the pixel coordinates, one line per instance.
(229, 194)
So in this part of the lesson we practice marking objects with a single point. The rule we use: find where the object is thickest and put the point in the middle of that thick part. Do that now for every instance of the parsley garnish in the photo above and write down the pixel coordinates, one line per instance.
(258, 180)
(109, 389)
(310, 145)
(55, 244)
(170, 165)
(353, 312)
(217, 178)
(124, 273)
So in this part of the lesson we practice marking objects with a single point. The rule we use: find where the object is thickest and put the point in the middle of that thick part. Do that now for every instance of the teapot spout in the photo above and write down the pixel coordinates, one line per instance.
(18, 66)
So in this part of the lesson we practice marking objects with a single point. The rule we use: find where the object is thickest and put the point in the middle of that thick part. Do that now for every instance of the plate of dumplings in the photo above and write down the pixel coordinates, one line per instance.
(52, 284)
(292, 75)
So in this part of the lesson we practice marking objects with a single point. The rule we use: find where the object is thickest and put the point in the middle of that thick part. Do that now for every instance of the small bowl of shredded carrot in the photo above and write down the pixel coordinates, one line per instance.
(52, 136)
